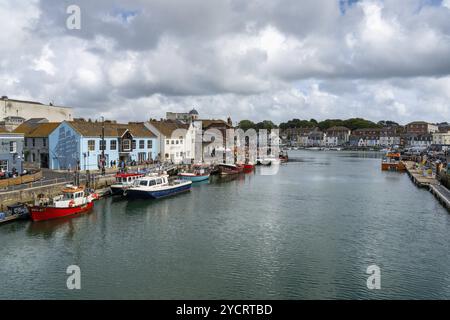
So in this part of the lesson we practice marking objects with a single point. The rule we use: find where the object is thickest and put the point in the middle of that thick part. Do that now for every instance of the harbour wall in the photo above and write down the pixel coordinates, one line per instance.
(30, 194)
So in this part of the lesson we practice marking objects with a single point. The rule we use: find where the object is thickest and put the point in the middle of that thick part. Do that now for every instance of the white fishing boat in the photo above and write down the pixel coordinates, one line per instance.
(156, 186)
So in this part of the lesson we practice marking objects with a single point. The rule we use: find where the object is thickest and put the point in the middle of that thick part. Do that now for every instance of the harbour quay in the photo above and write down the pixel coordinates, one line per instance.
(431, 183)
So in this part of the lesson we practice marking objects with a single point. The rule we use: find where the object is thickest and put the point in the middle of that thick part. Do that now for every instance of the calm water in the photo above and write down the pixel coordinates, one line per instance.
(308, 232)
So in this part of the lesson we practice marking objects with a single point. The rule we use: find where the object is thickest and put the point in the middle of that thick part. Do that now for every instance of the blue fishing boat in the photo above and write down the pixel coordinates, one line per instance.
(199, 173)
(156, 186)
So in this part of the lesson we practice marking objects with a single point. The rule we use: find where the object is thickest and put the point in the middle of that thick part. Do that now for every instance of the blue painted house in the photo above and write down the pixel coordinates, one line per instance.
(79, 142)
(11, 151)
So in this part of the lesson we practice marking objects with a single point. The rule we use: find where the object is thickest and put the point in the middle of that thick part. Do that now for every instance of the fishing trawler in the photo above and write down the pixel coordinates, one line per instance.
(73, 200)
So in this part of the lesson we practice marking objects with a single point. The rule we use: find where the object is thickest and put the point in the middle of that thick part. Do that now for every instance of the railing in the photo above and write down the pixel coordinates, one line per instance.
(28, 178)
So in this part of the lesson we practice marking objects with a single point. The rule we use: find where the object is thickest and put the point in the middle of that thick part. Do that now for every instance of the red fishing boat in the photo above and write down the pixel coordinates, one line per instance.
(229, 169)
(249, 167)
(73, 200)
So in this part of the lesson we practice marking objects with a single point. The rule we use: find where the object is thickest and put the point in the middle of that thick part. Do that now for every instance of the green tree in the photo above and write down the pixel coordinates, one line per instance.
(246, 124)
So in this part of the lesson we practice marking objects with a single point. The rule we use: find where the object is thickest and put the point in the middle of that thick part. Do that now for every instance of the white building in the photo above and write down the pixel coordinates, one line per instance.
(441, 138)
(176, 140)
(14, 112)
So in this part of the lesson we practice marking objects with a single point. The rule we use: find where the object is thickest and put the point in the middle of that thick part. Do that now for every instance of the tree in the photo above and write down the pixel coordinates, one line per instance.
(246, 124)
(266, 124)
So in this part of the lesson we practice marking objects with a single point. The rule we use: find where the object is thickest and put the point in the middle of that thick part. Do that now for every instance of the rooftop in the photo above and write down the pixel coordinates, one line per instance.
(166, 127)
(94, 129)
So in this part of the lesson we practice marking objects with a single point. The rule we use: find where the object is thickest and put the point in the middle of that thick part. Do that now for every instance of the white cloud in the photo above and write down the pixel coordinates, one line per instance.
(305, 59)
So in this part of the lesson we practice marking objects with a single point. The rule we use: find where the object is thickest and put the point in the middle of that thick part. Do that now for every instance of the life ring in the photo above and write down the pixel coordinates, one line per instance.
(71, 203)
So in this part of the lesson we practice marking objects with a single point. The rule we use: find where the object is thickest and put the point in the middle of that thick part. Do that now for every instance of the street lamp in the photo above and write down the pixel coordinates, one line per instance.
(103, 144)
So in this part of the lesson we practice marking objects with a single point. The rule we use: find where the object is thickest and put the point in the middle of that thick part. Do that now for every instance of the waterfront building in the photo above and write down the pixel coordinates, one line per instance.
(36, 132)
(441, 138)
(80, 143)
(185, 117)
(176, 139)
(337, 136)
(390, 136)
(316, 138)
(368, 137)
(211, 128)
(421, 128)
(14, 112)
(297, 136)
(417, 140)
(11, 152)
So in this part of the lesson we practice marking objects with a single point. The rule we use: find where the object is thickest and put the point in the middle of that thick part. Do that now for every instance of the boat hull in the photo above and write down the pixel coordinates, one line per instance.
(393, 166)
(49, 213)
(117, 191)
(157, 194)
(194, 178)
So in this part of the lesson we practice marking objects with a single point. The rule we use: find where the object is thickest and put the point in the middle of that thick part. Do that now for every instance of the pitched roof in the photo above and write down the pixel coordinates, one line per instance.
(94, 129)
(166, 127)
(42, 130)
(24, 128)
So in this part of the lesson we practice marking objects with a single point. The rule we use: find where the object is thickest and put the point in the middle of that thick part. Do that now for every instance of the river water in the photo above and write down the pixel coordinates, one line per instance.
(308, 232)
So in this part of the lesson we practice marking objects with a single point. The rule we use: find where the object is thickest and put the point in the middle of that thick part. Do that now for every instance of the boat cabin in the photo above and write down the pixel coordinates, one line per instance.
(127, 178)
(151, 181)
(73, 193)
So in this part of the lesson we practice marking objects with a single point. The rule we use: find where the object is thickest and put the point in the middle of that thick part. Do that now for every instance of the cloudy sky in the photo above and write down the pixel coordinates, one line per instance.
(254, 59)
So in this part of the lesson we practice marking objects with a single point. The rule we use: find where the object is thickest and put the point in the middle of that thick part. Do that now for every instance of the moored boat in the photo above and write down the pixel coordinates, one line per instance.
(392, 162)
(156, 186)
(14, 212)
(124, 181)
(249, 167)
(199, 173)
(73, 200)
(229, 169)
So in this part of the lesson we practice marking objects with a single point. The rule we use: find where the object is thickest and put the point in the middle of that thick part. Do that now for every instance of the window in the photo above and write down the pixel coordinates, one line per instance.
(4, 165)
(33, 157)
(44, 142)
(126, 144)
(173, 142)
(177, 142)
(159, 181)
(152, 183)
(102, 144)
(91, 145)
(167, 142)
(13, 146)
(113, 145)
(133, 145)
(141, 144)
(26, 142)
(149, 144)
(34, 142)
(141, 156)
(143, 183)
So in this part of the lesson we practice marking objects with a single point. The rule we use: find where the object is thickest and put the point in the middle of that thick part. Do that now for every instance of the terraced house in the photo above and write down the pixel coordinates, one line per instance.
(80, 143)
(36, 132)
(11, 151)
